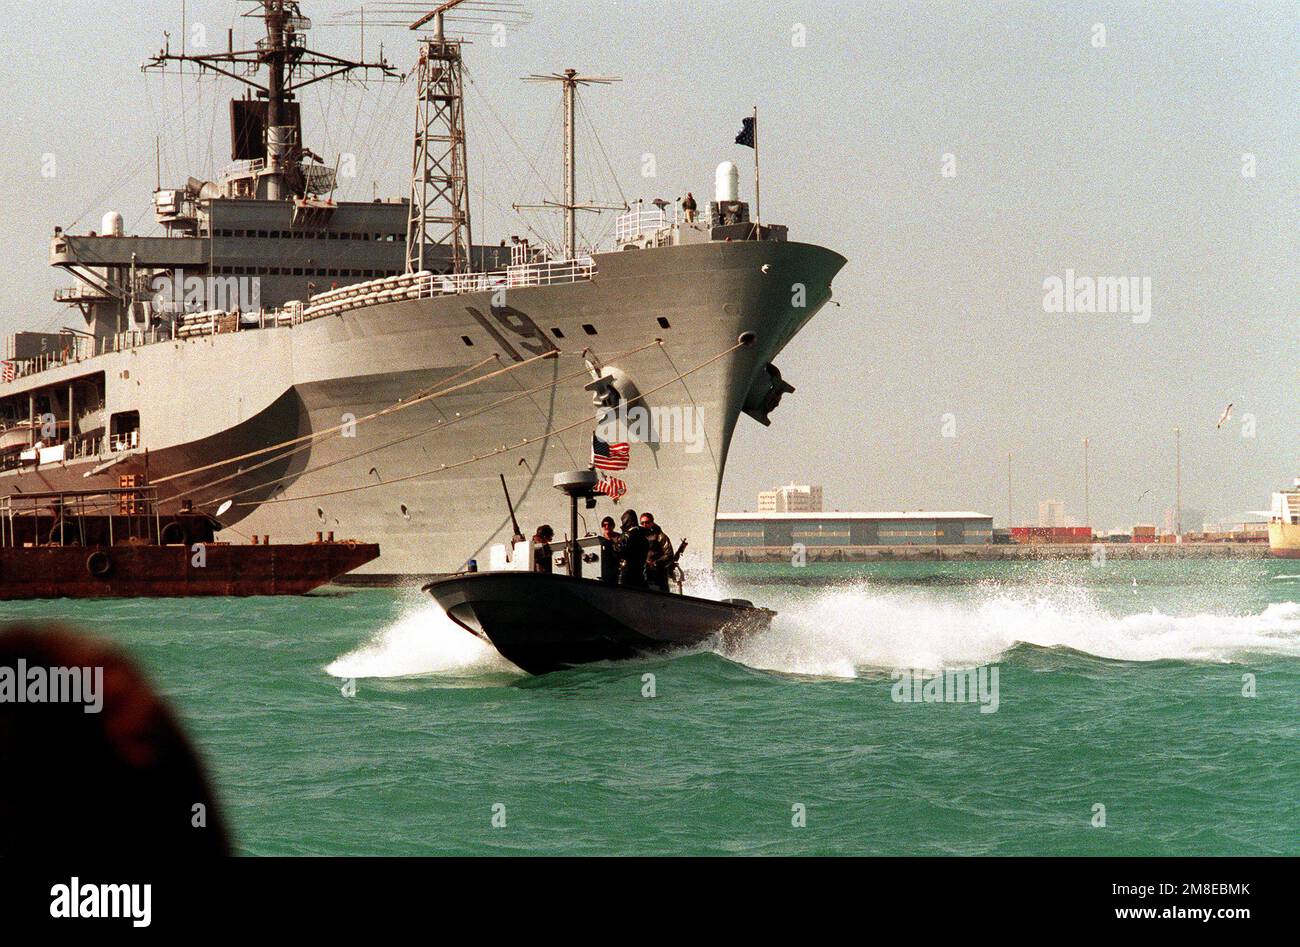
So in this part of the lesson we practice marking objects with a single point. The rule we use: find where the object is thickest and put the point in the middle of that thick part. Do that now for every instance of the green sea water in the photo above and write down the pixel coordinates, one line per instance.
(1118, 686)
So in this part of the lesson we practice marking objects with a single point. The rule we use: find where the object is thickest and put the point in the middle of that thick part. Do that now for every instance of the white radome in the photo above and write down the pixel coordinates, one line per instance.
(726, 182)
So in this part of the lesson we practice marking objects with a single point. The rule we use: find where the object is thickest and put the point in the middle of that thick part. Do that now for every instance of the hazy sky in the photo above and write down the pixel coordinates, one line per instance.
(1119, 161)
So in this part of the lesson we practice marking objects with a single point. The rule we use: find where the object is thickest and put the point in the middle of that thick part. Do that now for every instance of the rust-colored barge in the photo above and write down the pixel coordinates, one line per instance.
(115, 544)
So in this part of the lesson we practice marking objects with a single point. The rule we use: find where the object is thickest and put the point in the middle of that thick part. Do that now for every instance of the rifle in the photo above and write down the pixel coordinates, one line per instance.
(675, 570)
(518, 536)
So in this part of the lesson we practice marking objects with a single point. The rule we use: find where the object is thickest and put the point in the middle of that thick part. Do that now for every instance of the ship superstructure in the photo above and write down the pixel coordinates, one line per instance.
(291, 363)
(1284, 522)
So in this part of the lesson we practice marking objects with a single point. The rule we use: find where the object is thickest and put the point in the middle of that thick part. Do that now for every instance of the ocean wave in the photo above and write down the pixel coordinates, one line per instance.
(838, 632)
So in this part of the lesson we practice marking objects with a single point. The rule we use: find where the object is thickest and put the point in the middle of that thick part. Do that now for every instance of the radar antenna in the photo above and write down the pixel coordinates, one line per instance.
(290, 66)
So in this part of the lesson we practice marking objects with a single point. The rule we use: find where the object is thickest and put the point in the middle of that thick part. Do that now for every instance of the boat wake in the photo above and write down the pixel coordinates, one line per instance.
(843, 631)
(838, 632)
(423, 640)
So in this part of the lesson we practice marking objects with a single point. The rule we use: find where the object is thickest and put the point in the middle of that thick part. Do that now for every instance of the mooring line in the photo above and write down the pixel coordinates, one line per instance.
(303, 446)
(435, 429)
(369, 450)
(472, 460)
(319, 434)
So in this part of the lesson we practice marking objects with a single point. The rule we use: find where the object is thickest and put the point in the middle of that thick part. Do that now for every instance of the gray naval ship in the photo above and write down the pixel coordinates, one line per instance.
(294, 364)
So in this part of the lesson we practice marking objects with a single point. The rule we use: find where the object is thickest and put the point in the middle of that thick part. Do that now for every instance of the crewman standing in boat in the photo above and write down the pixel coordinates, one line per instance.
(688, 206)
(608, 551)
(543, 557)
(633, 547)
(659, 560)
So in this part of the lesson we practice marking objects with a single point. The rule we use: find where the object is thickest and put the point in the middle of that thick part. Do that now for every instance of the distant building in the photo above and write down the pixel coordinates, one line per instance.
(783, 530)
(1251, 532)
(1051, 513)
(792, 498)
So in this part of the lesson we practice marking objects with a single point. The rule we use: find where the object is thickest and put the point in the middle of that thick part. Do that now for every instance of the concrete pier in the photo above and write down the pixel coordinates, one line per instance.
(992, 553)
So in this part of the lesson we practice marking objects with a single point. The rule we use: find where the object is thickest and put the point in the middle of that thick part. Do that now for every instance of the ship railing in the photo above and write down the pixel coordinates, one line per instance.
(407, 286)
(72, 348)
(77, 348)
(642, 221)
(71, 449)
(128, 440)
(239, 169)
(85, 447)
(427, 285)
(654, 225)
(74, 294)
(132, 339)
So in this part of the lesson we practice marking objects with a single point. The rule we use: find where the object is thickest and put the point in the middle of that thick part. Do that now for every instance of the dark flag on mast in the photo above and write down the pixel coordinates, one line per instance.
(746, 136)
(749, 138)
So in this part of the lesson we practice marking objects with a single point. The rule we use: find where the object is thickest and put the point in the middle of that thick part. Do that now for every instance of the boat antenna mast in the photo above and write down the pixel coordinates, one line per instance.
(290, 65)
(570, 80)
(439, 211)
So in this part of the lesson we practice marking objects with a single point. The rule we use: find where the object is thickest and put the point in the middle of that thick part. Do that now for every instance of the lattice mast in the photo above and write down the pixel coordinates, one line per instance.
(439, 212)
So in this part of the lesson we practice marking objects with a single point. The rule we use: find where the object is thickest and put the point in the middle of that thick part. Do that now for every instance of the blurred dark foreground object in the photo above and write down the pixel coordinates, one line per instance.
(122, 781)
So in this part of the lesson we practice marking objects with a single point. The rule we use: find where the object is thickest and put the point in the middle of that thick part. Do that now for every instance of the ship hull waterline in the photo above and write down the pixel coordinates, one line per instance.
(179, 571)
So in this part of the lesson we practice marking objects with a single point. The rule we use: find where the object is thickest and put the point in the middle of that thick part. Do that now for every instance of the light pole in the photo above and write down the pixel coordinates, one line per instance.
(1178, 484)
(1087, 519)
(1010, 521)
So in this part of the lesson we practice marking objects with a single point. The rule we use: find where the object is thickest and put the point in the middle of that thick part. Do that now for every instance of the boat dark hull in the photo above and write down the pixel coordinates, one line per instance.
(128, 571)
(546, 623)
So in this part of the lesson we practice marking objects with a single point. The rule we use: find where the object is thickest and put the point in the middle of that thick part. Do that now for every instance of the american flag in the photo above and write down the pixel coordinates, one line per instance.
(8, 370)
(606, 456)
(612, 487)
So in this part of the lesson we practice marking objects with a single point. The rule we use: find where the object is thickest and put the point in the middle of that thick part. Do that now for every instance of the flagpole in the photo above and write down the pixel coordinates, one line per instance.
(758, 207)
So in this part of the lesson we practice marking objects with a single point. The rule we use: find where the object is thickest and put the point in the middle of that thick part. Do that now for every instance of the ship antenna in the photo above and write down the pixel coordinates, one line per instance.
(290, 65)
(570, 80)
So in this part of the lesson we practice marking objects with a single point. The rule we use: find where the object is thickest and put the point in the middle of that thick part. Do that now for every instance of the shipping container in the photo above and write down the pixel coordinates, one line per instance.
(1052, 534)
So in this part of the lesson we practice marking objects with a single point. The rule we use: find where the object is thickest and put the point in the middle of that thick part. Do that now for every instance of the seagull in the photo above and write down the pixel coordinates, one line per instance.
(1223, 419)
